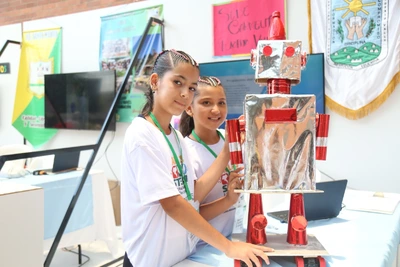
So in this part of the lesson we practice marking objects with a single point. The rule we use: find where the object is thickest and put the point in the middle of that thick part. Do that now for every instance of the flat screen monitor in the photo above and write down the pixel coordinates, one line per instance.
(237, 77)
(79, 101)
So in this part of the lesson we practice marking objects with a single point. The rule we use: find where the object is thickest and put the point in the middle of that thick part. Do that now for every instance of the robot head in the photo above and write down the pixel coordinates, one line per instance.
(278, 59)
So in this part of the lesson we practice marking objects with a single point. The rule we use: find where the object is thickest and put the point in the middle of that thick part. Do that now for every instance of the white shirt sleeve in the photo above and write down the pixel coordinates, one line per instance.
(153, 175)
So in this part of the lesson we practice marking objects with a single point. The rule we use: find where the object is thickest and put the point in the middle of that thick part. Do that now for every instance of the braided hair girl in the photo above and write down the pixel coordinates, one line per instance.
(159, 201)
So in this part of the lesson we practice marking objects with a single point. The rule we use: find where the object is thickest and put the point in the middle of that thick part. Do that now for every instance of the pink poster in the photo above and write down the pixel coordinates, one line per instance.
(239, 25)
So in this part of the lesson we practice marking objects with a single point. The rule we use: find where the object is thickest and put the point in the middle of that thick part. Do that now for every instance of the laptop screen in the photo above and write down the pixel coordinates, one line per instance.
(66, 161)
(320, 205)
(327, 204)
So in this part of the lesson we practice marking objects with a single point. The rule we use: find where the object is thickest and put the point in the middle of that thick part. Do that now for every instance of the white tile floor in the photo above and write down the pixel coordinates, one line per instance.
(97, 251)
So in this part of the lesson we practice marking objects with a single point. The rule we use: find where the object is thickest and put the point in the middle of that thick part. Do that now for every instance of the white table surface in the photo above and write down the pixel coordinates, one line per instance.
(354, 238)
(103, 227)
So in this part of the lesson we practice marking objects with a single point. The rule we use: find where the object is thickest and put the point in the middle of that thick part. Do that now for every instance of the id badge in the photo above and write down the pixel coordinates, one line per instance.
(239, 215)
(192, 239)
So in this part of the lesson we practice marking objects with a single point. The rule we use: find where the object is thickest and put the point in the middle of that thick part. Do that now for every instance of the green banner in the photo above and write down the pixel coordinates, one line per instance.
(40, 55)
(119, 40)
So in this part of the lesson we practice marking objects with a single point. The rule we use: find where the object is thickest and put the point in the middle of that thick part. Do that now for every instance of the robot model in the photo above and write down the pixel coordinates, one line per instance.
(283, 138)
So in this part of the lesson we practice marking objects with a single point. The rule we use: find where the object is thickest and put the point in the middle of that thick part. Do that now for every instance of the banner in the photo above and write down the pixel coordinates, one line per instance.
(360, 40)
(119, 39)
(40, 55)
(240, 24)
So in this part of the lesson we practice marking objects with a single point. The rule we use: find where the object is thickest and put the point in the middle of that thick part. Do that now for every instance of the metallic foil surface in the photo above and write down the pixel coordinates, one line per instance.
(278, 59)
(279, 155)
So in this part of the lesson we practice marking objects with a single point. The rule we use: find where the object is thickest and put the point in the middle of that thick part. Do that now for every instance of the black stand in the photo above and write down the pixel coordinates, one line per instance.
(112, 262)
(111, 113)
(79, 254)
(6, 44)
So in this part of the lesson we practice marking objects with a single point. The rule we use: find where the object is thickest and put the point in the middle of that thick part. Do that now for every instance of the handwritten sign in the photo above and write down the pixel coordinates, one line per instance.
(240, 24)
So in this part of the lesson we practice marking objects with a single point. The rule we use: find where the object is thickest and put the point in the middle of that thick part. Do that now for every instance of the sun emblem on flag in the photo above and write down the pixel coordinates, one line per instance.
(355, 7)
(357, 33)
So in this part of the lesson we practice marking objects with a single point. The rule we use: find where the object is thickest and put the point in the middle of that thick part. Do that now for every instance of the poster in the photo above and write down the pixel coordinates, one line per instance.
(239, 25)
(119, 40)
(40, 55)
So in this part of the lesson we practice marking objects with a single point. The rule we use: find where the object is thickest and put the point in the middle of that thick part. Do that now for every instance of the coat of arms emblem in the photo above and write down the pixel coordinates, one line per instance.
(356, 33)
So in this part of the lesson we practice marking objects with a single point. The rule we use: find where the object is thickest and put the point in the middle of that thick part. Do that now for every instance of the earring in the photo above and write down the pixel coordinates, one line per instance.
(153, 88)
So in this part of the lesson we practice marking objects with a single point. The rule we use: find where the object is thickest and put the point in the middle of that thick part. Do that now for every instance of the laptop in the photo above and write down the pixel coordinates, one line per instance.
(319, 206)
(66, 161)
(63, 162)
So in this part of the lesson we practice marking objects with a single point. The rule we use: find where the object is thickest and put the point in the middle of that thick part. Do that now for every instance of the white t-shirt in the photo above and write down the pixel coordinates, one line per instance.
(148, 174)
(202, 159)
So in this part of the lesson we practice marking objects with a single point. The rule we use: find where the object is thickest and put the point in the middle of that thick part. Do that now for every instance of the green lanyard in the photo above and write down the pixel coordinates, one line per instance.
(178, 163)
(208, 148)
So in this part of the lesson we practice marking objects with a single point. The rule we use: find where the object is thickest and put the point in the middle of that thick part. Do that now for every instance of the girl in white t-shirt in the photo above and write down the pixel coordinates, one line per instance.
(199, 125)
(159, 201)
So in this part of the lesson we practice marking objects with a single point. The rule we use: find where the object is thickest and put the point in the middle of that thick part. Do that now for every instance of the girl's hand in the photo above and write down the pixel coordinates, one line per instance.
(234, 182)
(248, 253)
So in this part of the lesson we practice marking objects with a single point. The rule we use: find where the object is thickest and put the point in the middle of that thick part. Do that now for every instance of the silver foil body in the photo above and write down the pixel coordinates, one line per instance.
(278, 65)
(279, 155)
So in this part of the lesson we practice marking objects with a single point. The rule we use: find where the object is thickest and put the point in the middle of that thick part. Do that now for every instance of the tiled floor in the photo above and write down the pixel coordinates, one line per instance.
(97, 252)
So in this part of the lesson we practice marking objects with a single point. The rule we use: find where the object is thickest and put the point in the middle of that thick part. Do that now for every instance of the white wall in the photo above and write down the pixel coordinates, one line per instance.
(8, 84)
(363, 151)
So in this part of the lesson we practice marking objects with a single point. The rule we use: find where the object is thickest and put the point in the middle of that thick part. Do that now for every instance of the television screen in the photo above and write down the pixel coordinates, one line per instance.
(237, 77)
(79, 100)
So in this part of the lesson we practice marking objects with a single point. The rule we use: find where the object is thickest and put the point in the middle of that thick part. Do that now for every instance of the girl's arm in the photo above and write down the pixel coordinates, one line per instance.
(213, 209)
(208, 180)
(181, 211)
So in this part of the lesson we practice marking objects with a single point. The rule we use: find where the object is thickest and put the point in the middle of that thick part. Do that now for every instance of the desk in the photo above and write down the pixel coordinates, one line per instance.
(354, 239)
(92, 218)
(21, 225)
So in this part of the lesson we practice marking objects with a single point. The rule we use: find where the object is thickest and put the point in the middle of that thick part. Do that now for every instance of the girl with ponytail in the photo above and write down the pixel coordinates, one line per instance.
(159, 201)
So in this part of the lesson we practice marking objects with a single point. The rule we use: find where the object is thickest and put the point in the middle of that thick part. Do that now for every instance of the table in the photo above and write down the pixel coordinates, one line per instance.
(21, 225)
(92, 218)
(354, 238)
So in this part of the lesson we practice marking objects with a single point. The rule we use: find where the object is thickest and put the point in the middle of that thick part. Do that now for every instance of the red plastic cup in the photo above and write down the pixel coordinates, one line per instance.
(233, 127)
(322, 136)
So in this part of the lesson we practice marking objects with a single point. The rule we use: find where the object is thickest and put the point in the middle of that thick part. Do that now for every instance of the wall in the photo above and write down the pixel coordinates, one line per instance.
(16, 11)
(363, 151)
(8, 82)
